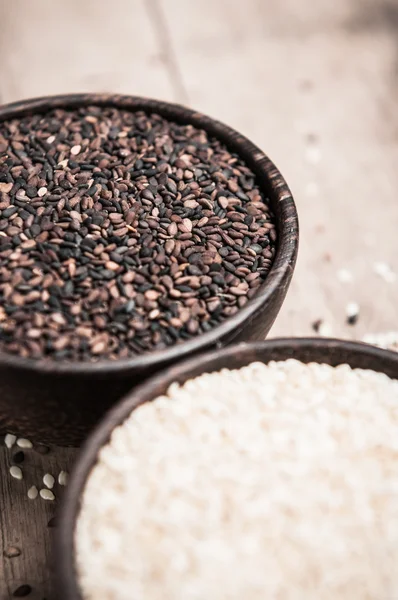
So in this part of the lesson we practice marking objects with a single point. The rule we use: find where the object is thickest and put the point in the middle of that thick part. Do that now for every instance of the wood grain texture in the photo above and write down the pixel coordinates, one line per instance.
(80, 46)
(24, 522)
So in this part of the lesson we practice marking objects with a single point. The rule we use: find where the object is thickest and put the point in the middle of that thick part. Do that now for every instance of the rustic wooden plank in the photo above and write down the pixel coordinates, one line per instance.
(24, 522)
(61, 47)
(314, 84)
(156, 12)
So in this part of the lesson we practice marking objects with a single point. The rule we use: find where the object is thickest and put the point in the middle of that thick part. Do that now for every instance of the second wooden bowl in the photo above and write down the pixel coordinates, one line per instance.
(320, 350)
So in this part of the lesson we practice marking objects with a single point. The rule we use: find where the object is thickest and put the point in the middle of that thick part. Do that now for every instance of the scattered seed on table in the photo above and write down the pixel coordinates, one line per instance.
(24, 443)
(384, 271)
(322, 328)
(344, 276)
(48, 481)
(12, 552)
(313, 154)
(352, 313)
(10, 440)
(107, 230)
(32, 492)
(63, 478)
(16, 472)
(22, 591)
(325, 329)
(18, 457)
(47, 494)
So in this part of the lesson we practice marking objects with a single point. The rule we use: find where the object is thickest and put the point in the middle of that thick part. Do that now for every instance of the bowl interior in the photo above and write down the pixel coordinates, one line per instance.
(329, 351)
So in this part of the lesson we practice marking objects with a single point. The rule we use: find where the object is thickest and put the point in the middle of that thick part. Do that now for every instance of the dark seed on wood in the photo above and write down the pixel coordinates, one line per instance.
(22, 591)
(18, 457)
(53, 522)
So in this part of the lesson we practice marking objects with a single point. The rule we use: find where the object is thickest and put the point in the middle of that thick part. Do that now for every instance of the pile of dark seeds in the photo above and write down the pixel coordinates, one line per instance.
(122, 233)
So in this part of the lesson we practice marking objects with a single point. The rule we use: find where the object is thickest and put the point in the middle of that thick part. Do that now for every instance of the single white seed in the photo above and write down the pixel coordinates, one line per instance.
(313, 154)
(42, 192)
(10, 440)
(47, 494)
(24, 443)
(344, 275)
(352, 309)
(50, 139)
(63, 478)
(16, 472)
(384, 271)
(75, 150)
(312, 188)
(325, 329)
(33, 492)
(48, 481)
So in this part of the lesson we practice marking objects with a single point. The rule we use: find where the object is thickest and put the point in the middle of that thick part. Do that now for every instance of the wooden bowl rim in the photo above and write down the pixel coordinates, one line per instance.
(267, 176)
(337, 350)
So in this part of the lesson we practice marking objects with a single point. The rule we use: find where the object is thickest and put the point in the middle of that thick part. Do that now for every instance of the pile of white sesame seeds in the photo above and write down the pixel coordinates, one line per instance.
(276, 481)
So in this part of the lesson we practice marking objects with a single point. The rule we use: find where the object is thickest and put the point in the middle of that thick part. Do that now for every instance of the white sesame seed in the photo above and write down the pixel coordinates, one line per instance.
(10, 440)
(384, 271)
(47, 494)
(33, 492)
(312, 189)
(42, 192)
(344, 275)
(16, 472)
(352, 309)
(248, 481)
(75, 150)
(24, 443)
(50, 139)
(63, 478)
(313, 154)
(325, 329)
(48, 481)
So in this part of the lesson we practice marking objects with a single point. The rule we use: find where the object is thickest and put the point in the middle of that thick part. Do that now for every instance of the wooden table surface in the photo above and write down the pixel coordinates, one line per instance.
(314, 84)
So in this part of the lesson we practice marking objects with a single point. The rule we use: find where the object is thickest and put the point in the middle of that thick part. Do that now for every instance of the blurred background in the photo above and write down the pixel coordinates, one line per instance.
(314, 84)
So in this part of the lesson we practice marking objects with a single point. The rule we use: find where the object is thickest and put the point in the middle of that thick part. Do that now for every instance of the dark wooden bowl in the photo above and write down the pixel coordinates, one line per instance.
(59, 403)
(320, 350)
